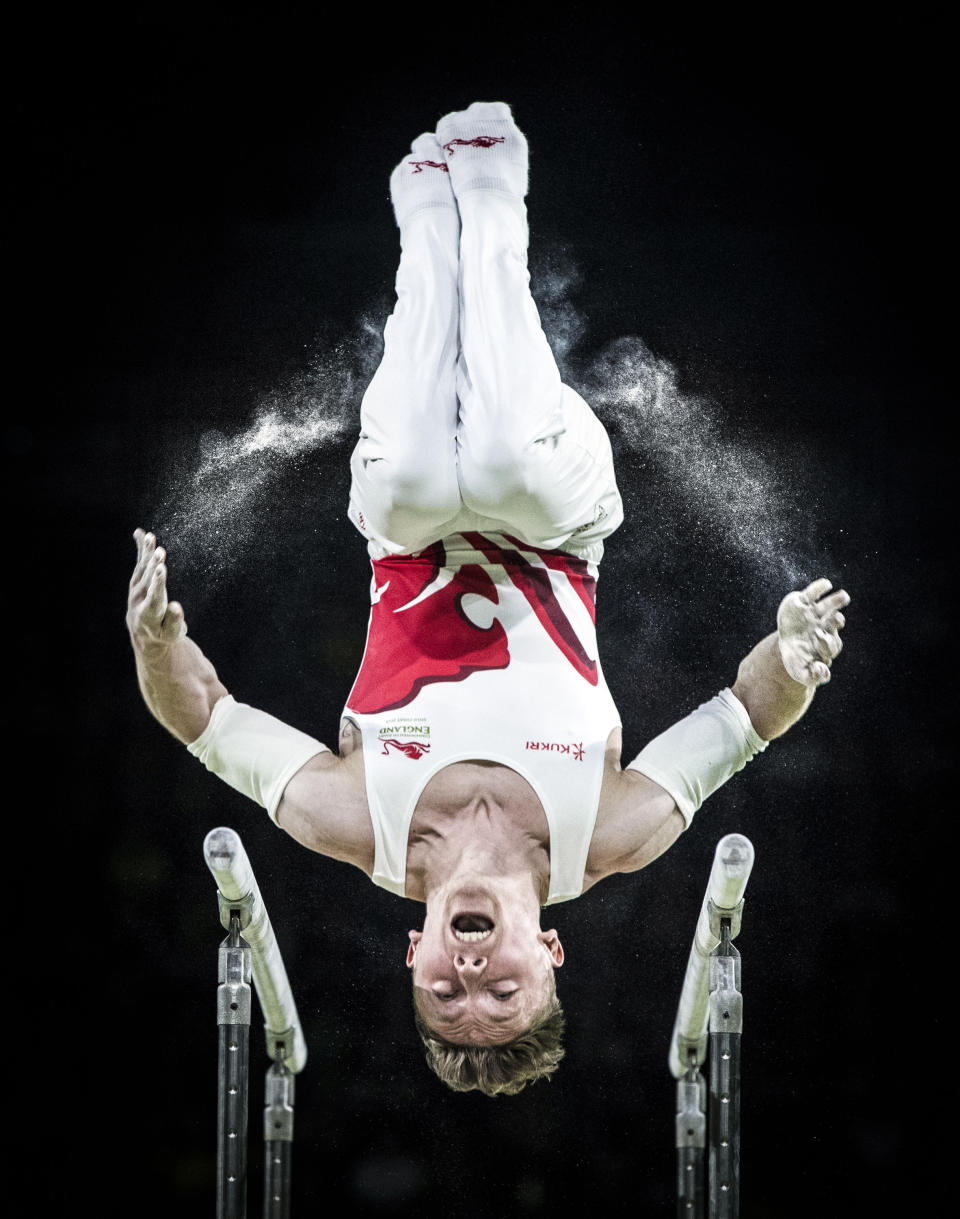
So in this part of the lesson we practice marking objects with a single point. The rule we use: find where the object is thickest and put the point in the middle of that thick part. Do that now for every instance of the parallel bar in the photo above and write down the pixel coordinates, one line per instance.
(227, 860)
(731, 868)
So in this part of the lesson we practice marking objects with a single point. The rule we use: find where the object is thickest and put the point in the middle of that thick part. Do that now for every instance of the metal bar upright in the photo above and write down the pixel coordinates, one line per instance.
(726, 1027)
(233, 1020)
(278, 1141)
(691, 1132)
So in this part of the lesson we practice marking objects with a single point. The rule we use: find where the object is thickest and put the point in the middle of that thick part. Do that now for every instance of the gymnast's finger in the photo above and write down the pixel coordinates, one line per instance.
(813, 592)
(149, 563)
(820, 672)
(828, 645)
(156, 559)
(835, 601)
(143, 553)
(173, 625)
(157, 593)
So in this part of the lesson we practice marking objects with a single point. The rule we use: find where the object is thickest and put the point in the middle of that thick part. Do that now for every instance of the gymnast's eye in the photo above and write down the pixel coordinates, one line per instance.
(503, 995)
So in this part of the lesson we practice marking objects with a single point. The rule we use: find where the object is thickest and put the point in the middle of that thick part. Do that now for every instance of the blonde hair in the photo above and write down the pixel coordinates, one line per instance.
(497, 1070)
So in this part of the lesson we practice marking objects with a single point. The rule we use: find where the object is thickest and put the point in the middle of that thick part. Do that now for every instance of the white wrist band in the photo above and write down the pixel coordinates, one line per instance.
(701, 752)
(254, 752)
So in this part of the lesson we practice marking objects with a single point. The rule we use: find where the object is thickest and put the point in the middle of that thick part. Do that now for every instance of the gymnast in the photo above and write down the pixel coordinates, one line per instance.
(478, 770)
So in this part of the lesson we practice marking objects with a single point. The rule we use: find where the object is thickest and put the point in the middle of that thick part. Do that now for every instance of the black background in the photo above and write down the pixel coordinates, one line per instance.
(199, 209)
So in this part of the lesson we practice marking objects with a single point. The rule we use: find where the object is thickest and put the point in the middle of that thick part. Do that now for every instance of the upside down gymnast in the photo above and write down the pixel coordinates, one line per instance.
(478, 769)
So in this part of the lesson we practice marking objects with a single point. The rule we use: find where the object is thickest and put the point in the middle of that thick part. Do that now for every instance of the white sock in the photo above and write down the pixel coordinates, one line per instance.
(421, 181)
(484, 149)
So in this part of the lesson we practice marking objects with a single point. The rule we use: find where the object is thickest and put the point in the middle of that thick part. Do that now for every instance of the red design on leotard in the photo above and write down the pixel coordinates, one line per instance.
(412, 642)
(419, 632)
(576, 570)
(536, 587)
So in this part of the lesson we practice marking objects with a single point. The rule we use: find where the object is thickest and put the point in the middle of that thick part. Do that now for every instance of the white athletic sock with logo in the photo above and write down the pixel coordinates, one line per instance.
(421, 182)
(484, 149)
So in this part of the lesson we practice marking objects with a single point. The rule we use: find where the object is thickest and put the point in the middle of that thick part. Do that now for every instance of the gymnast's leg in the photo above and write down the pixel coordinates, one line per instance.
(404, 485)
(531, 453)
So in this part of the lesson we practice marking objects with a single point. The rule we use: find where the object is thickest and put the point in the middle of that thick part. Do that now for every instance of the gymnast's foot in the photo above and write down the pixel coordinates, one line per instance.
(808, 631)
(421, 182)
(484, 149)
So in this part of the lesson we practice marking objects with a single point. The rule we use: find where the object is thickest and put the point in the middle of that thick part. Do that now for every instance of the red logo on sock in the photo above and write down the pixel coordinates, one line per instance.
(480, 141)
(418, 166)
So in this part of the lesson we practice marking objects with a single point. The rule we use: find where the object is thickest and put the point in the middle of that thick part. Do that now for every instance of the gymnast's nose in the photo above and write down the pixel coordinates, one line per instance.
(469, 963)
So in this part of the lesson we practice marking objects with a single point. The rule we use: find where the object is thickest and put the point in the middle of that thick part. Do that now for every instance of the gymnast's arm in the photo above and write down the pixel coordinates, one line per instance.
(644, 808)
(317, 797)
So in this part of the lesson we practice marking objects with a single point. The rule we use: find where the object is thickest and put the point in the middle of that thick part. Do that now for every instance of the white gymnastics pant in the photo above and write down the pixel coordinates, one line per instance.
(466, 423)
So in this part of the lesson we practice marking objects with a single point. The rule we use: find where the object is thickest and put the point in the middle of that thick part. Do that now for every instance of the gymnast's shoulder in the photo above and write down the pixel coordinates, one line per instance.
(324, 806)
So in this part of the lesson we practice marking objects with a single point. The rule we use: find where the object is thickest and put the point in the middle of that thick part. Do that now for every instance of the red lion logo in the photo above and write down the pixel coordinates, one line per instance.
(413, 749)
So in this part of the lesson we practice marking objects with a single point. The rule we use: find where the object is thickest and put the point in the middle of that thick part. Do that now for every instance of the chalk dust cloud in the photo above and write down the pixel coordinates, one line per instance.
(690, 475)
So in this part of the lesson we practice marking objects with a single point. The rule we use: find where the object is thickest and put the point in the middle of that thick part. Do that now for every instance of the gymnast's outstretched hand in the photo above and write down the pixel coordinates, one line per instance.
(179, 685)
(776, 682)
(152, 618)
(808, 631)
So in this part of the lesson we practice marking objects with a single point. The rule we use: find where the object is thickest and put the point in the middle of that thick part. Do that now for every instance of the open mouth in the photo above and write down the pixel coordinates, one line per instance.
(471, 928)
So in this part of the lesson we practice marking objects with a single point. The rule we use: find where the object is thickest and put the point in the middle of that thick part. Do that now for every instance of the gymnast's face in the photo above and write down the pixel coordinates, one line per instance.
(482, 971)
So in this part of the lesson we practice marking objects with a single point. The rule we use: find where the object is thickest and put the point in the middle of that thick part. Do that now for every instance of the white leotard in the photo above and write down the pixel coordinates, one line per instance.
(484, 647)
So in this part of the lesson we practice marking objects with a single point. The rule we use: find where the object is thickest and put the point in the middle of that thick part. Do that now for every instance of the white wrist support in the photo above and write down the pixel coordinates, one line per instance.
(701, 752)
(255, 753)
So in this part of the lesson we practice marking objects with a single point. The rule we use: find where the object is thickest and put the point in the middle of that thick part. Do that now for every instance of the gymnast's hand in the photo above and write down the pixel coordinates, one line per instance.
(152, 619)
(179, 685)
(808, 632)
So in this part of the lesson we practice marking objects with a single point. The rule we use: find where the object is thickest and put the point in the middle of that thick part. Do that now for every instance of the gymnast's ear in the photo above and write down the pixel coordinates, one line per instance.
(551, 942)
(415, 938)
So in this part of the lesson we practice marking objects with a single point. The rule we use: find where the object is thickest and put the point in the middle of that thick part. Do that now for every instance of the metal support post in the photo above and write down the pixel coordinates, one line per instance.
(726, 1027)
(233, 1019)
(278, 1142)
(691, 1131)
